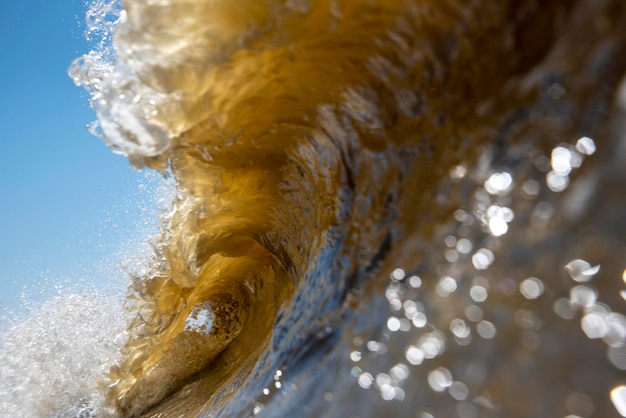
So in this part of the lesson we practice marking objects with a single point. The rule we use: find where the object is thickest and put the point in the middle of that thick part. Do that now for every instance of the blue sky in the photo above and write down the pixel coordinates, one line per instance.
(67, 203)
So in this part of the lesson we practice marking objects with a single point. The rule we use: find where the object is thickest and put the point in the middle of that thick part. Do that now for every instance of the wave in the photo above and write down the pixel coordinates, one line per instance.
(371, 196)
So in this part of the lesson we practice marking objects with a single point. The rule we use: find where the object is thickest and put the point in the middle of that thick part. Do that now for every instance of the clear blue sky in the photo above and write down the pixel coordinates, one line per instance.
(66, 202)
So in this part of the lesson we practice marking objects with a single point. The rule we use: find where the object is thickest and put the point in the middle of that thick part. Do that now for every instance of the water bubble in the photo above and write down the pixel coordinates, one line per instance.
(355, 356)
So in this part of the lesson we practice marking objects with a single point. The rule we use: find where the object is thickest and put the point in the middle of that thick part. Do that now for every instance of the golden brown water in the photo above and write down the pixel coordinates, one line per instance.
(312, 144)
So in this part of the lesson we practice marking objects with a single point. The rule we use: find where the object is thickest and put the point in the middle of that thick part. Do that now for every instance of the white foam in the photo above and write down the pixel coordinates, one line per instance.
(53, 360)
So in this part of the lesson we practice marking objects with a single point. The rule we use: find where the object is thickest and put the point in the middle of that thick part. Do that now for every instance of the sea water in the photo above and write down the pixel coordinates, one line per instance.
(409, 209)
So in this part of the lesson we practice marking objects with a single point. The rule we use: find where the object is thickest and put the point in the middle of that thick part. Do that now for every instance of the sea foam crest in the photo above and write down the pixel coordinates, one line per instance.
(126, 107)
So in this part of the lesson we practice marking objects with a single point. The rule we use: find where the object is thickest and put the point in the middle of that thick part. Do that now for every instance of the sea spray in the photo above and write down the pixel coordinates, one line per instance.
(52, 359)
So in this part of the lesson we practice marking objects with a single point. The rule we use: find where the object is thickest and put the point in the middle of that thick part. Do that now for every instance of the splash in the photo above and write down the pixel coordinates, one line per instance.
(317, 147)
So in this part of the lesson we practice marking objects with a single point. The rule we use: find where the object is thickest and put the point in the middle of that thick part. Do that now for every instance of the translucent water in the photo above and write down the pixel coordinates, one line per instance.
(406, 209)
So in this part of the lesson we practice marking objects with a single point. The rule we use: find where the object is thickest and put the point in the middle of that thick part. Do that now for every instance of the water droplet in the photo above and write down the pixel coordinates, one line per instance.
(586, 145)
(532, 288)
(365, 380)
(482, 259)
(478, 294)
(445, 286)
(581, 271)
(414, 355)
(556, 182)
(440, 379)
(499, 183)
(486, 329)
(594, 325)
(583, 296)
(458, 390)
(618, 397)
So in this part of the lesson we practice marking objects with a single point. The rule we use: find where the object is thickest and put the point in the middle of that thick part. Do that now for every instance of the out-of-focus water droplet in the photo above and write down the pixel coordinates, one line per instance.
(415, 282)
(498, 226)
(532, 288)
(458, 390)
(398, 274)
(499, 183)
(617, 356)
(474, 313)
(583, 296)
(478, 294)
(586, 145)
(459, 328)
(393, 324)
(594, 325)
(563, 308)
(445, 286)
(440, 379)
(618, 397)
(464, 246)
(561, 161)
(482, 259)
(556, 182)
(399, 372)
(365, 380)
(579, 404)
(414, 355)
(355, 356)
(581, 271)
(486, 329)
(531, 188)
(458, 172)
